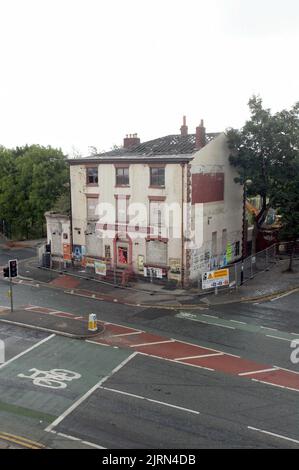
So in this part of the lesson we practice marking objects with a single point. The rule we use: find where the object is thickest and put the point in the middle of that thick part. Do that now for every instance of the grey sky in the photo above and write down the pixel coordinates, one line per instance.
(80, 73)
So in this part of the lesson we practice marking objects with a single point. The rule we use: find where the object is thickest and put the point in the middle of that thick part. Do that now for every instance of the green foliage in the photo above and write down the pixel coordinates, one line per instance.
(265, 150)
(32, 179)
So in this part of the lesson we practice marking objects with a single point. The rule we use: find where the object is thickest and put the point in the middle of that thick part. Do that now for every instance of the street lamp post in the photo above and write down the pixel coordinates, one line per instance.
(244, 226)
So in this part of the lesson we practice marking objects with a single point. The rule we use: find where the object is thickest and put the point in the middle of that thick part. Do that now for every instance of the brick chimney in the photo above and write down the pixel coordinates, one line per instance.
(200, 136)
(131, 140)
(184, 128)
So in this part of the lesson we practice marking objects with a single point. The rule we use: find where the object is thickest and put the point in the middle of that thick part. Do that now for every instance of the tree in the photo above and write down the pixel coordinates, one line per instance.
(32, 180)
(265, 151)
(287, 202)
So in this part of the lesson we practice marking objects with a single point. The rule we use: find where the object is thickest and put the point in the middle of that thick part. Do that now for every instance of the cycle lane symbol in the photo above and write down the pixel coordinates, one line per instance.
(54, 378)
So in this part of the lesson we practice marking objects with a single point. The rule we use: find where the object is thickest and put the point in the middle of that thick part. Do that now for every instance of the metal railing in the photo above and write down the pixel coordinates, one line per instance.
(242, 271)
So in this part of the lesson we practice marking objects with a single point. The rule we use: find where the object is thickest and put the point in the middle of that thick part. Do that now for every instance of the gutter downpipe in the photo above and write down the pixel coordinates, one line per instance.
(182, 228)
(71, 218)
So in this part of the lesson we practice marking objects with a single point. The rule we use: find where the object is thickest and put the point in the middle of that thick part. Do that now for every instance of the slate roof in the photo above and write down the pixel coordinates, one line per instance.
(175, 144)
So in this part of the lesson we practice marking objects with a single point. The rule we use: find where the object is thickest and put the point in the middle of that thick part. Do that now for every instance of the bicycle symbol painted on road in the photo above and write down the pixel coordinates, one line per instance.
(54, 378)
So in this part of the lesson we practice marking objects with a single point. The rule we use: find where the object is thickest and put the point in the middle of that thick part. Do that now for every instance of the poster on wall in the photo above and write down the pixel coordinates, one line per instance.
(229, 253)
(140, 262)
(175, 268)
(67, 251)
(77, 252)
(100, 268)
(122, 255)
(153, 272)
(107, 251)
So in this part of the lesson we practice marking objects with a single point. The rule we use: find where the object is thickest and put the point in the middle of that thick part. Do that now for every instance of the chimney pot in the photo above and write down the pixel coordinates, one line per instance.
(184, 127)
(200, 136)
(131, 140)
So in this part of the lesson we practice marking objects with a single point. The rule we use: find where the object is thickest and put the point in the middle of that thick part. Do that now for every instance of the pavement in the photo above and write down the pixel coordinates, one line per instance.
(276, 281)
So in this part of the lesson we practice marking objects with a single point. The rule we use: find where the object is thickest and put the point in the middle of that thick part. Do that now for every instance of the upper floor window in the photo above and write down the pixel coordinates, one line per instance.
(92, 175)
(122, 176)
(157, 176)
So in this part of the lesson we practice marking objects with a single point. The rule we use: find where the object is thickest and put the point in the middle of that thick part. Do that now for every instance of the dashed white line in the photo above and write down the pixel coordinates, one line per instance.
(267, 328)
(279, 337)
(151, 400)
(72, 438)
(258, 371)
(211, 316)
(274, 434)
(241, 322)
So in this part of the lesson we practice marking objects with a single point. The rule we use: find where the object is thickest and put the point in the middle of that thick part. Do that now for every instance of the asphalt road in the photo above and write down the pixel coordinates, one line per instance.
(126, 399)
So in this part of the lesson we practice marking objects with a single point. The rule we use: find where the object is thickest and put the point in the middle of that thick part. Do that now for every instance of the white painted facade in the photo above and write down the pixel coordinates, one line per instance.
(212, 230)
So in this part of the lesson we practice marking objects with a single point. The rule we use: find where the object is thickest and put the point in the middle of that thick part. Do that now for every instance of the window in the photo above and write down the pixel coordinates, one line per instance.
(157, 176)
(92, 175)
(214, 243)
(92, 203)
(122, 176)
(237, 249)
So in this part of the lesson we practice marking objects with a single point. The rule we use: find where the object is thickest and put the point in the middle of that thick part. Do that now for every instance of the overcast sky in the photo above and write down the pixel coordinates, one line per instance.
(79, 73)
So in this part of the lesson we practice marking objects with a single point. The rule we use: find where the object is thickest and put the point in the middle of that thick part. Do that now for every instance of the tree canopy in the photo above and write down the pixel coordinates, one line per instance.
(265, 151)
(32, 179)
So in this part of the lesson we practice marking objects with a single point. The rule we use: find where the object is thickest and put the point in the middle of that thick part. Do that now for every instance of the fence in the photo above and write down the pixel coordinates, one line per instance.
(242, 271)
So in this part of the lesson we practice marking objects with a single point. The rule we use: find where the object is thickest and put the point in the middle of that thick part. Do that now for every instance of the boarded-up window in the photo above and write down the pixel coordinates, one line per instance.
(207, 187)
(94, 243)
(92, 203)
(156, 252)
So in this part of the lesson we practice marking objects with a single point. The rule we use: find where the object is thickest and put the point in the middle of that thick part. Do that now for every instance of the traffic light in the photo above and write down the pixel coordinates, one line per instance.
(13, 267)
(6, 271)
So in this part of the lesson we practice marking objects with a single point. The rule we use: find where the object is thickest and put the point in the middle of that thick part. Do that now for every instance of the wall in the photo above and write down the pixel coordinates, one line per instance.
(211, 160)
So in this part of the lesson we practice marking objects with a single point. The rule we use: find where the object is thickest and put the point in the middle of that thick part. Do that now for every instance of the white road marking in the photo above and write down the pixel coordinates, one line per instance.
(196, 357)
(27, 351)
(288, 370)
(278, 337)
(273, 434)
(205, 315)
(193, 365)
(209, 349)
(126, 334)
(267, 328)
(88, 393)
(241, 322)
(151, 400)
(296, 334)
(96, 342)
(153, 343)
(282, 295)
(223, 326)
(72, 438)
(275, 385)
(258, 371)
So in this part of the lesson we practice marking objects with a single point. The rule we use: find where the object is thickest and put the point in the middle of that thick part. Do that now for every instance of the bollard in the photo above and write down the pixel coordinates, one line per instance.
(92, 322)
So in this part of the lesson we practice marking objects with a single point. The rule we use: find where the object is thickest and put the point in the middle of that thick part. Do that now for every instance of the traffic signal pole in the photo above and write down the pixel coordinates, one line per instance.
(10, 294)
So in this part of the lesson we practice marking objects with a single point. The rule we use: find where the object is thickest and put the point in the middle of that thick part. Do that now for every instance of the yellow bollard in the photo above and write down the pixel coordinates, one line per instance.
(92, 322)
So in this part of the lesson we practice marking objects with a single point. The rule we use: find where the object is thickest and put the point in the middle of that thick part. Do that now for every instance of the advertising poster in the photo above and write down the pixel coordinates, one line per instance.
(100, 268)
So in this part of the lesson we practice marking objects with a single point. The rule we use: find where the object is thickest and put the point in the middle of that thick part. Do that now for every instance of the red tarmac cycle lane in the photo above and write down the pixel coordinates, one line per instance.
(186, 353)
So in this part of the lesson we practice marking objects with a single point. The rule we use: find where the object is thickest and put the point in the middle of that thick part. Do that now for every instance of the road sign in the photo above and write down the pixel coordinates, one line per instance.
(218, 278)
